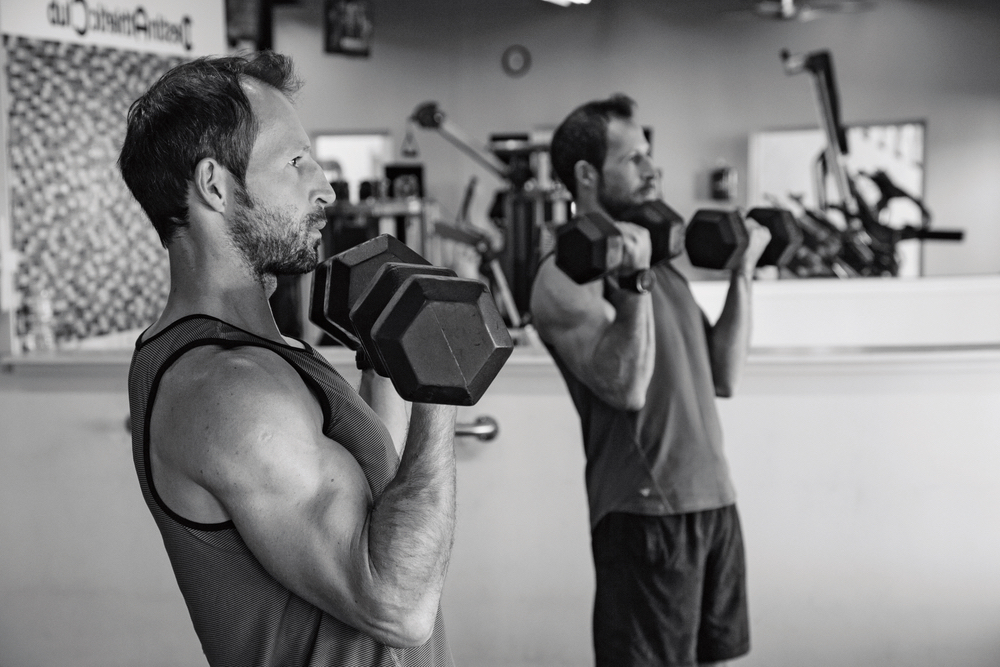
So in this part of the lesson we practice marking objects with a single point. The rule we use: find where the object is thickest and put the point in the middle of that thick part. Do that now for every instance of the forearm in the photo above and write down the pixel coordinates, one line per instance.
(729, 339)
(412, 523)
(623, 357)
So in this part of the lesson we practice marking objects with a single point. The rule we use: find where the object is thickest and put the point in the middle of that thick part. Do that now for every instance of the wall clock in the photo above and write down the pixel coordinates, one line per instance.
(516, 60)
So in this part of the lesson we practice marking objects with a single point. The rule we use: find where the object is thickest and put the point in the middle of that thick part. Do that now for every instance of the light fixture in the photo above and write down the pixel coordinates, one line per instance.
(567, 3)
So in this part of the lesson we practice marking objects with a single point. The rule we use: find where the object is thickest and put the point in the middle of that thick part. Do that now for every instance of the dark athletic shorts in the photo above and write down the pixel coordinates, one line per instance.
(671, 590)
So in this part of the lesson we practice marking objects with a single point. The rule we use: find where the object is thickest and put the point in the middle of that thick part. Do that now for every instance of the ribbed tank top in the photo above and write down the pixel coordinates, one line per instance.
(666, 458)
(241, 614)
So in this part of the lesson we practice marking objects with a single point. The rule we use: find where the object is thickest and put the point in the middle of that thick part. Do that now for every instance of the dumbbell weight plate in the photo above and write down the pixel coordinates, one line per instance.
(339, 282)
(588, 246)
(786, 236)
(665, 226)
(442, 339)
(716, 239)
(387, 281)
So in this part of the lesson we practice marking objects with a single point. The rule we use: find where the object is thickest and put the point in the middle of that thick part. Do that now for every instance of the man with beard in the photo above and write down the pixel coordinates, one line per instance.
(307, 523)
(643, 368)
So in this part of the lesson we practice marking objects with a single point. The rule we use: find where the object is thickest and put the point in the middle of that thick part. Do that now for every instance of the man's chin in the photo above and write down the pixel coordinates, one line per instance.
(299, 267)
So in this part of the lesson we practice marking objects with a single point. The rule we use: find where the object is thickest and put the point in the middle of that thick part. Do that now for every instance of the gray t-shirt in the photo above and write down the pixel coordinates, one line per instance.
(668, 457)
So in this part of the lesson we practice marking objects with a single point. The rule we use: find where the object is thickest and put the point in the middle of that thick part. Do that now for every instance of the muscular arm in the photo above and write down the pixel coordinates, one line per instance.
(607, 344)
(729, 338)
(237, 434)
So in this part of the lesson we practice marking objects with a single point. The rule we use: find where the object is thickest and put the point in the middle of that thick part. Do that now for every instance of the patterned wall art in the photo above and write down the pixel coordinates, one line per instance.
(87, 248)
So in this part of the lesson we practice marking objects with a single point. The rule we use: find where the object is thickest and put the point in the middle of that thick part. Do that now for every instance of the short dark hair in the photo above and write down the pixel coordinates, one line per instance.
(583, 135)
(196, 110)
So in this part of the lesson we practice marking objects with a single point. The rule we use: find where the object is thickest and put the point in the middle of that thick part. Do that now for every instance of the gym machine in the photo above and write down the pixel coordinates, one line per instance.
(862, 246)
(518, 210)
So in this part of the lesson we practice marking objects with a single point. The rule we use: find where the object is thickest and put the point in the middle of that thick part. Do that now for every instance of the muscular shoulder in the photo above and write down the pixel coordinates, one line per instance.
(559, 304)
(229, 399)
(565, 312)
(212, 376)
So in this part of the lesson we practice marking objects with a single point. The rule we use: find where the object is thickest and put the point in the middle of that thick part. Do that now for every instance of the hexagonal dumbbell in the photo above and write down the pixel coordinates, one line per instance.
(665, 226)
(340, 281)
(439, 338)
(590, 246)
(367, 308)
(786, 235)
(442, 339)
(717, 239)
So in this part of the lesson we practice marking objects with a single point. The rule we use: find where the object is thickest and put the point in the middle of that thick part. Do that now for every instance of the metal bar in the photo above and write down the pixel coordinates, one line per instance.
(485, 428)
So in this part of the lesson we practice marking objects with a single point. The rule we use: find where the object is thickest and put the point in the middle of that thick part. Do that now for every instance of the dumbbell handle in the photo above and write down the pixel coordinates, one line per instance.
(639, 282)
(590, 247)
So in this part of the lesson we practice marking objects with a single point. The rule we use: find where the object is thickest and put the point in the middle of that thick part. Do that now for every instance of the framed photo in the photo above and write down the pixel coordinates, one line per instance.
(348, 27)
(249, 24)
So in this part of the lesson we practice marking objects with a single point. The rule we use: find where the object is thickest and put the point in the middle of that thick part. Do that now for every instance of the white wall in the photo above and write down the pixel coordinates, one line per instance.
(702, 81)
(869, 502)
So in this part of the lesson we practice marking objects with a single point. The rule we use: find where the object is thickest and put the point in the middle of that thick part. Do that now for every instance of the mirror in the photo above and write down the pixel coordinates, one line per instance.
(782, 168)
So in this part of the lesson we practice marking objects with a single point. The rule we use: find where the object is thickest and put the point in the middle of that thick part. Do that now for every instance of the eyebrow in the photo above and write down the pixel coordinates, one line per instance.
(635, 151)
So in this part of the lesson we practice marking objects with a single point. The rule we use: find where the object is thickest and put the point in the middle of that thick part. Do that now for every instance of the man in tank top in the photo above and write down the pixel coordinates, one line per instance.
(304, 525)
(643, 368)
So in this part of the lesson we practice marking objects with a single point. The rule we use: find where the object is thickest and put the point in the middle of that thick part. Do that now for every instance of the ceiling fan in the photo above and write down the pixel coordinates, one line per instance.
(804, 10)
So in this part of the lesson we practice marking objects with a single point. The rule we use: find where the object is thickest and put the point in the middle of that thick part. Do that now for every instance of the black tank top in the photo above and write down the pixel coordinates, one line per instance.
(241, 614)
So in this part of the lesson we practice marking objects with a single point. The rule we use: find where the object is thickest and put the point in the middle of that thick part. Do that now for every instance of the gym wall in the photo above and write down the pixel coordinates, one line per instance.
(703, 81)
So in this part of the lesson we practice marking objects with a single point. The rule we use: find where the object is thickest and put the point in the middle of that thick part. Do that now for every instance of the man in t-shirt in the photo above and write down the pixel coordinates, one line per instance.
(643, 367)
(305, 526)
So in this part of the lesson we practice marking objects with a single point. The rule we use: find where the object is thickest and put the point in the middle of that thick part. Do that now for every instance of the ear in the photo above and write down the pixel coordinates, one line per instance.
(213, 185)
(586, 175)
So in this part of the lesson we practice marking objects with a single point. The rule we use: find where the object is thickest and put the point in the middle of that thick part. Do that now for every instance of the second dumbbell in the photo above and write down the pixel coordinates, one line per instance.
(717, 239)
(439, 338)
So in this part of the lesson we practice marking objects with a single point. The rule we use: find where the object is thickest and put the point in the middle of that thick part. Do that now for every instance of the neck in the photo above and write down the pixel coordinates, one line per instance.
(217, 284)
(587, 202)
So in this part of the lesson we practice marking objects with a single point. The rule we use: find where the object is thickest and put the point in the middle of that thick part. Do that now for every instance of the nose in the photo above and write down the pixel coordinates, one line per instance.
(322, 194)
(646, 168)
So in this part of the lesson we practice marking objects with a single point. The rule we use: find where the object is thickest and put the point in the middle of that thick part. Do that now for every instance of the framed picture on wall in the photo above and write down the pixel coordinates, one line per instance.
(249, 24)
(348, 27)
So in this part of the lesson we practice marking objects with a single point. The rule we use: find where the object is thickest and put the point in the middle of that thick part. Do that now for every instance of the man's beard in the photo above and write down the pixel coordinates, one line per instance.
(613, 206)
(613, 203)
(271, 241)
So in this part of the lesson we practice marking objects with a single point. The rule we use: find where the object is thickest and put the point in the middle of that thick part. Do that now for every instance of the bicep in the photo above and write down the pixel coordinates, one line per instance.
(302, 506)
(571, 318)
(298, 499)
